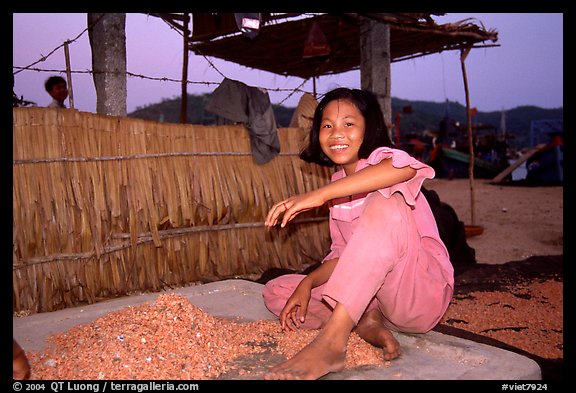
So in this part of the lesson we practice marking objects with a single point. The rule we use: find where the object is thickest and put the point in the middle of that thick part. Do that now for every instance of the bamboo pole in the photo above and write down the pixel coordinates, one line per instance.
(463, 54)
(69, 75)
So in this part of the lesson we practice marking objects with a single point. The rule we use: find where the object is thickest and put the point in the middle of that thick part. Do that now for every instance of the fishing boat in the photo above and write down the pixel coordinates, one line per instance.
(547, 164)
(450, 155)
(452, 163)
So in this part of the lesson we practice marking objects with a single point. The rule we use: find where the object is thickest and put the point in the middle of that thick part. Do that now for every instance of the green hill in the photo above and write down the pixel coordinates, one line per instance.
(168, 110)
(415, 116)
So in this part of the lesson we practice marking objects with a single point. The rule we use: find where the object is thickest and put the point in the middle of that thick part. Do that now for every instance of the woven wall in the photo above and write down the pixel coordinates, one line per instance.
(108, 206)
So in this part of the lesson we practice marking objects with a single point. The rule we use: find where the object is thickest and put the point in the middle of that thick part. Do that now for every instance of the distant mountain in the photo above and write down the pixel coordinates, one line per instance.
(415, 116)
(168, 110)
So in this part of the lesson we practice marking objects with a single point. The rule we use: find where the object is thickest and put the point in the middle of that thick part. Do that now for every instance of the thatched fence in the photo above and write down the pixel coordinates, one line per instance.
(109, 206)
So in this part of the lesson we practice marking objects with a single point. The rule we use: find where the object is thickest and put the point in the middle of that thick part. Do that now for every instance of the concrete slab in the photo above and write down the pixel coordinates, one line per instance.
(430, 356)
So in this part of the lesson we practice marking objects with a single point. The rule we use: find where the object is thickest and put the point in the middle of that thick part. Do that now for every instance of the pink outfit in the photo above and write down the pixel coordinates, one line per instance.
(390, 256)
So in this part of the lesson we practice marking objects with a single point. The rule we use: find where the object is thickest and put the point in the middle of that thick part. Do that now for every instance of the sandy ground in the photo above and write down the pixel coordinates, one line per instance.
(518, 300)
(518, 221)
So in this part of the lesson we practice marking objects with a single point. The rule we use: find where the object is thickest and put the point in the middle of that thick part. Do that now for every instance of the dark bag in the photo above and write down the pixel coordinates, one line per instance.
(452, 231)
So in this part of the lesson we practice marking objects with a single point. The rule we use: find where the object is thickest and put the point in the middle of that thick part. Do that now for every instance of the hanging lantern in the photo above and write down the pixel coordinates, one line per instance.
(316, 44)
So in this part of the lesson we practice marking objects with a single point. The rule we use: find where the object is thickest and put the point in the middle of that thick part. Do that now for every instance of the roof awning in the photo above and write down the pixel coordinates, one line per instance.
(279, 45)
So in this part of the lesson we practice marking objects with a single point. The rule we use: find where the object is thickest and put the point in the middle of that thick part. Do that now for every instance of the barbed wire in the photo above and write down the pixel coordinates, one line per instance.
(43, 58)
(160, 79)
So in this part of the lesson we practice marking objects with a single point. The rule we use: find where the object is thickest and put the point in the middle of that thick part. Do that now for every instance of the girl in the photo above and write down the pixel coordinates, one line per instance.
(387, 268)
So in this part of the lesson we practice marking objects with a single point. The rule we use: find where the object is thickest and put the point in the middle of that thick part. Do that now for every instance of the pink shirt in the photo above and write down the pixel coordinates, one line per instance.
(343, 213)
(393, 259)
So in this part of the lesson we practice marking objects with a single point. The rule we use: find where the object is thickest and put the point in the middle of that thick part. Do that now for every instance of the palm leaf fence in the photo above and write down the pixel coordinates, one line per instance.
(110, 206)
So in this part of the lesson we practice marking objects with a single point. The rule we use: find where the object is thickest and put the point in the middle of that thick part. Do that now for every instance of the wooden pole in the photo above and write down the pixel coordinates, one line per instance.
(375, 65)
(184, 100)
(314, 87)
(463, 54)
(69, 75)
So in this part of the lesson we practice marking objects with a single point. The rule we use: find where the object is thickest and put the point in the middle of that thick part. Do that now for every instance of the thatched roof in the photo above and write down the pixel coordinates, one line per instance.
(279, 45)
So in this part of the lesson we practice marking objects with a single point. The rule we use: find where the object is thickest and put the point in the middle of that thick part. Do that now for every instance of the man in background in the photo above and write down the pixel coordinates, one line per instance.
(57, 87)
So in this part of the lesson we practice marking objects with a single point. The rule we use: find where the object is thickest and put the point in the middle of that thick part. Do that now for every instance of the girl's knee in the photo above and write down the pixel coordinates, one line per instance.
(272, 294)
(277, 291)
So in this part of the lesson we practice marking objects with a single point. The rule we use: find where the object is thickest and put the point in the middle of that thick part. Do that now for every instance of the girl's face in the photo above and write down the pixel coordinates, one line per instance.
(341, 133)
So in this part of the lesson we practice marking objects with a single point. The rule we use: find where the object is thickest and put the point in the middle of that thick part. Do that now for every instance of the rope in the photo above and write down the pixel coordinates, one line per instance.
(146, 237)
(135, 157)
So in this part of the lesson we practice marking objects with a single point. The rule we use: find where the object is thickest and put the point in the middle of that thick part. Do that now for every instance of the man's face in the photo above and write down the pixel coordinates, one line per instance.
(59, 92)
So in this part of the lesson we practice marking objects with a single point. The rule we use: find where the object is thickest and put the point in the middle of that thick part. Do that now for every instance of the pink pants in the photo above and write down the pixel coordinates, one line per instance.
(385, 265)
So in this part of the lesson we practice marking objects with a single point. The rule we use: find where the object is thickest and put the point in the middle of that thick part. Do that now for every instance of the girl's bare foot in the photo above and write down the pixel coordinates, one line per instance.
(371, 328)
(325, 354)
(312, 362)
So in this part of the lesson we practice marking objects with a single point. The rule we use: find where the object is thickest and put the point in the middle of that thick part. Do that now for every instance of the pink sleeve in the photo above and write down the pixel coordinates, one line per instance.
(409, 189)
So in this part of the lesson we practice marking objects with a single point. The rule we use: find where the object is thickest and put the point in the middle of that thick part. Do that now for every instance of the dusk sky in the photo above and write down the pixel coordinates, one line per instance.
(526, 69)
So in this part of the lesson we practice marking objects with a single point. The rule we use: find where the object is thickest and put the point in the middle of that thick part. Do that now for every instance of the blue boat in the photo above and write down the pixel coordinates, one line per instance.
(547, 164)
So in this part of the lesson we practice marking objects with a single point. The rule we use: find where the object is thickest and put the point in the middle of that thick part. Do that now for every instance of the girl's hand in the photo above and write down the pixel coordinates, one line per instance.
(293, 206)
(294, 312)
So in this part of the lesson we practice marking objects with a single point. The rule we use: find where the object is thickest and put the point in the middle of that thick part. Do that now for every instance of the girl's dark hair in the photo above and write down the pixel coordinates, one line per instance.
(375, 134)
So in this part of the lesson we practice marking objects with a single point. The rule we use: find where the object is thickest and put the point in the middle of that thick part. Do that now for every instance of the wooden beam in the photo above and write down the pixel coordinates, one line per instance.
(502, 175)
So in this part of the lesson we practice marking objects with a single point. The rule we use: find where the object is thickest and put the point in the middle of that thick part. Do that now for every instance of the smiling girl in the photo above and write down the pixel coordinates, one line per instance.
(387, 269)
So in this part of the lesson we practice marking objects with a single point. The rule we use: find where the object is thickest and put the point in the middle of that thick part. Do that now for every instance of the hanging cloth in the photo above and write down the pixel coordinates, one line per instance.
(240, 103)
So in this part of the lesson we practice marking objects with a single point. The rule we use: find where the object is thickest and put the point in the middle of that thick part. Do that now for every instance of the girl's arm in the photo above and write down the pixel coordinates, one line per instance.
(322, 273)
(371, 178)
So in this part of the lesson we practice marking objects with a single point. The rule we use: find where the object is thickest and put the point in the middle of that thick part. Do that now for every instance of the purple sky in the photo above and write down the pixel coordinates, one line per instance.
(526, 69)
